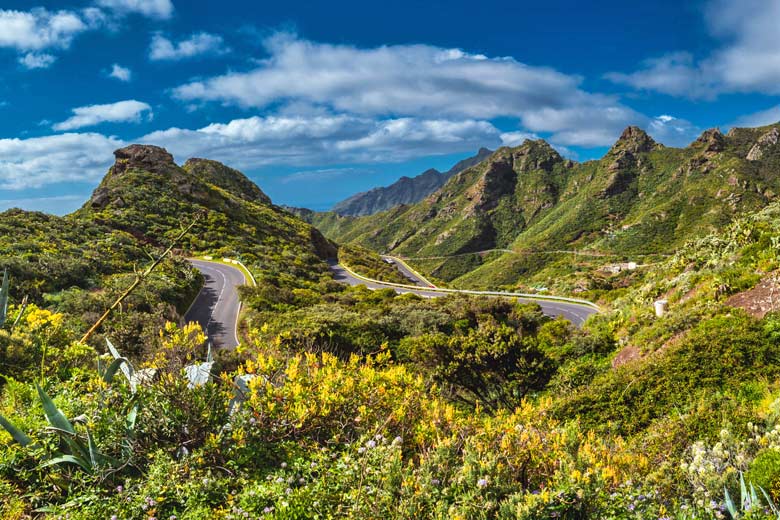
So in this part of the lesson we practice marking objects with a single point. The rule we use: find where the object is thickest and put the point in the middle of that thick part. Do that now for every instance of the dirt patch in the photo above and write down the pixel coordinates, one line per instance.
(626, 355)
(761, 299)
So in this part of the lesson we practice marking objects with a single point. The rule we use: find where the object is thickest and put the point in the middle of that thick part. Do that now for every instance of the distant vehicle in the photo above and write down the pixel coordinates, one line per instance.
(413, 280)
(389, 261)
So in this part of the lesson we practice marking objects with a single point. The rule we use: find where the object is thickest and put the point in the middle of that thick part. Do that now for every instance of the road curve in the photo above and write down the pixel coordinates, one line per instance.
(216, 306)
(573, 312)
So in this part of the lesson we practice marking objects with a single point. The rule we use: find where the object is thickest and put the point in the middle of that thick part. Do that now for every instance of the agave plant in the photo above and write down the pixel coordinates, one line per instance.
(78, 450)
(4, 298)
(749, 501)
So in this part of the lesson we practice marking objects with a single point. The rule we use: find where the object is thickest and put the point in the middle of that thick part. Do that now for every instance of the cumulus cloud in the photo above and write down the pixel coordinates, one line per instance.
(259, 141)
(315, 141)
(747, 61)
(35, 60)
(417, 81)
(516, 138)
(672, 131)
(120, 112)
(39, 29)
(120, 73)
(38, 161)
(161, 9)
(199, 43)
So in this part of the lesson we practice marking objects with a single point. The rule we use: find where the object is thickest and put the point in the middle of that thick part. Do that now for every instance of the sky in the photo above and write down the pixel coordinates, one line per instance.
(316, 101)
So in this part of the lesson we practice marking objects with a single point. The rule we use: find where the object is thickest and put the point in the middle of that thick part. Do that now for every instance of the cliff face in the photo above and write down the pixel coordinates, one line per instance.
(641, 197)
(406, 190)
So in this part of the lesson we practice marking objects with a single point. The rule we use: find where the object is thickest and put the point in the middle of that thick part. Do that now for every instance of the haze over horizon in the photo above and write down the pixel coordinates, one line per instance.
(316, 103)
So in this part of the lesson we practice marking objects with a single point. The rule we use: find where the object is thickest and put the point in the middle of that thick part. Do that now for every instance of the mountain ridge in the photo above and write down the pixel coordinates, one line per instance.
(640, 198)
(406, 190)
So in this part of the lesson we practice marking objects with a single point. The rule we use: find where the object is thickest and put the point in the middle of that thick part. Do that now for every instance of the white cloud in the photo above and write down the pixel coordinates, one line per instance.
(39, 29)
(417, 81)
(747, 61)
(672, 131)
(199, 43)
(120, 112)
(516, 138)
(35, 60)
(247, 143)
(38, 161)
(258, 141)
(120, 73)
(765, 117)
(161, 9)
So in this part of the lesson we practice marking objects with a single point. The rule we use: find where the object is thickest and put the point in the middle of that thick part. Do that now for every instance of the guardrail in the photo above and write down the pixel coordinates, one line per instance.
(576, 301)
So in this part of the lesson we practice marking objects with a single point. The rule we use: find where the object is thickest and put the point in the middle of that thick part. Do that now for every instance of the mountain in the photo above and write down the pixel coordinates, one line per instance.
(640, 198)
(78, 264)
(150, 196)
(406, 190)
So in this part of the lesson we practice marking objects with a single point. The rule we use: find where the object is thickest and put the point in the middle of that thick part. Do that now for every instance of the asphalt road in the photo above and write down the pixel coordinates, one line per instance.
(573, 312)
(413, 279)
(216, 306)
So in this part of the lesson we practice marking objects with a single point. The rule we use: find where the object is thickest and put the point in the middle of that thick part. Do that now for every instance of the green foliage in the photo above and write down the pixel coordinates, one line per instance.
(764, 471)
(367, 263)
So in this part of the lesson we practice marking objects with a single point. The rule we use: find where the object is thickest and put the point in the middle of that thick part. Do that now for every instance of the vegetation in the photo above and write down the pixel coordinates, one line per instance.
(343, 402)
(640, 200)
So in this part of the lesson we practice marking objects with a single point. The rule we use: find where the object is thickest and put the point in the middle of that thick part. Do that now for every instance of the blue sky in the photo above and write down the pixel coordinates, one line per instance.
(318, 100)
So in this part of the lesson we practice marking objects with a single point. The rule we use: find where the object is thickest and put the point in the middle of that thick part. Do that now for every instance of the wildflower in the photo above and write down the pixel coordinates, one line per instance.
(114, 517)
(268, 510)
(371, 444)
(435, 481)
(119, 489)
(313, 465)
(279, 480)
(482, 482)
(301, 481)
(288, 491)
(284, 465)
(361, 449)
(172, 517)
(398, 440)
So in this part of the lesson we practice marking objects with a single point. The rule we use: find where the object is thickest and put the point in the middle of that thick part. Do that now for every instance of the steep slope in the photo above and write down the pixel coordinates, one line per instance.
(640, 198)
(146, 194)
(406, 190)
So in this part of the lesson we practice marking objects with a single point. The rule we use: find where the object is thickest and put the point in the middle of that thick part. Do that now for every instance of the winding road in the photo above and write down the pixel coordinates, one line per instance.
(576, 313)
(217, 305)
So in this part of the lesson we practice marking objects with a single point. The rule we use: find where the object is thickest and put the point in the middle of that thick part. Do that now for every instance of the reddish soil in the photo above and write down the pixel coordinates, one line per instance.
(761, 299)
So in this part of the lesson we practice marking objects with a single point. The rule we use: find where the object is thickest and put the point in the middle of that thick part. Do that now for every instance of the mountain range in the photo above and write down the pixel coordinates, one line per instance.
(406, 190)
(640, 198)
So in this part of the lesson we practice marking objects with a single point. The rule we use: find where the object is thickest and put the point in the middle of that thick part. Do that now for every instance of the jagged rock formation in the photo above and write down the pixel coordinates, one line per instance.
(640, 197)
(406, 190)
(147, 194)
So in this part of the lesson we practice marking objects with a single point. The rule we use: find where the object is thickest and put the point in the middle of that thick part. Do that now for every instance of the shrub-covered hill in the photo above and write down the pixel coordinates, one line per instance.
(369, 404)
(146, 194)
(79, 263)
(640, 198)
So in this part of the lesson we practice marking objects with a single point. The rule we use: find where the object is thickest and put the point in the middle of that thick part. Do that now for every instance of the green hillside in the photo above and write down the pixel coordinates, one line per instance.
(640, 198)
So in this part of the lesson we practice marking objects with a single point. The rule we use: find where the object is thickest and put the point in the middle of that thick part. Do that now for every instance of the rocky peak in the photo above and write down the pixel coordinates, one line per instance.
(634, 140)
(229, 179)
(535, 155)
(143, 157)
(713, 140)
(765, 142)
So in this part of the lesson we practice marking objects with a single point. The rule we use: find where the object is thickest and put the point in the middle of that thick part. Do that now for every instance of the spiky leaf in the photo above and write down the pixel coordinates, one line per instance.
(17, 434)
(53, 414)
(4, 298)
